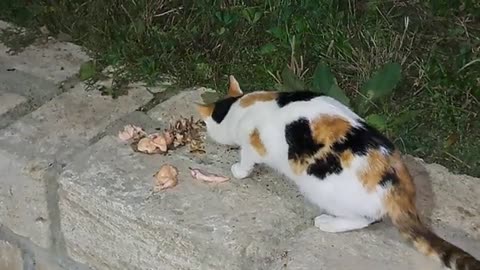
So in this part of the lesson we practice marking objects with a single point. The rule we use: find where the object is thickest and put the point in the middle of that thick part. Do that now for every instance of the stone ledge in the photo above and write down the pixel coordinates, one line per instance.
(181, 104)
(34, 92)
(51, 135)
(110, 222)
(31, 257)
(10, 257)
(9, 101)
(52, 60)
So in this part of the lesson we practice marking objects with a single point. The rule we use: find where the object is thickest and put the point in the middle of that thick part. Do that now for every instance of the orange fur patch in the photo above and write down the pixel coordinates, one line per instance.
(424, 247)
(205, 110)
(401, 199)
(252, 98)
(257, 143)
(346, 159)
(404, 176)
(328, 129)
(325, 130)
(372, 174)
(299, 166)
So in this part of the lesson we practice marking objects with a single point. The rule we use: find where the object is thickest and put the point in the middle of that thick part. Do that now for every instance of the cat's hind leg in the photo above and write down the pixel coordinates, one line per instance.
(333, 224)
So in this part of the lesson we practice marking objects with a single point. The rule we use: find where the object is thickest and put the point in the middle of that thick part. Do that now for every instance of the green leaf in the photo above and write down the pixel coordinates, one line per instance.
(383, 82)
(323, 79)
(267, 49)
(338, 94)
(324, 82)
(209, 97)
(277, 32)
(140, 27)
(87, 70)
(257, 16)
(378, 121)
(291, 81)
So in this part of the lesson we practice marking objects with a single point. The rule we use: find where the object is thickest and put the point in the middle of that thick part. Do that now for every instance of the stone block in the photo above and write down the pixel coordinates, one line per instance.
(33, 91)
(9, 101)
(48, 136)
(49, 59)
(180, 104)
(10, 257)
(110, 219)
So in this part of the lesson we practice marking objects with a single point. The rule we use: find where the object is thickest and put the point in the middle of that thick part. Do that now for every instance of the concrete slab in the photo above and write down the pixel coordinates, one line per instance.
(67, 123)
(234, 225)
(35, 146)
(51, 60)
(10, 257)
(110, 221)
(9, 101)
(34, 90)
(180, 104)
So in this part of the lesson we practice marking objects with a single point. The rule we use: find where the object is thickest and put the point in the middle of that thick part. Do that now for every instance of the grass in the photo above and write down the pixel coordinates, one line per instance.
(433, 114)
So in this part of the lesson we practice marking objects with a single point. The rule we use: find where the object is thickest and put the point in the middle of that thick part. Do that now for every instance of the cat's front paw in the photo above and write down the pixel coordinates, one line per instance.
(239, 172)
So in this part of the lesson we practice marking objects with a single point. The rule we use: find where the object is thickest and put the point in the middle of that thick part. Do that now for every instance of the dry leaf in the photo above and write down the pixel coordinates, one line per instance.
(165, 178)
(187, 131)
(206, 176)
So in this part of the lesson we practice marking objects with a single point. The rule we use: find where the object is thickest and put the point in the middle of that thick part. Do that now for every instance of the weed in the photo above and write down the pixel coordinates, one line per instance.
(18, 39)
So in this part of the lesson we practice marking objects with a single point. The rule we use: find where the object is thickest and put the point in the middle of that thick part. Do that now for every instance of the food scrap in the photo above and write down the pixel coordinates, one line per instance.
(165, 178)
(131, 132)
(180, 133)
(206, 176)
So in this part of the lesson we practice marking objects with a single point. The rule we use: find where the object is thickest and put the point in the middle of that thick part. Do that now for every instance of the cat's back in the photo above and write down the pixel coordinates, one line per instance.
(311, 106)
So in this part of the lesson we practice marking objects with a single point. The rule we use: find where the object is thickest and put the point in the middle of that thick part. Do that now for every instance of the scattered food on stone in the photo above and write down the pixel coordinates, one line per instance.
(184, 131)
(180, 133)
(155, 143)
(165, 178)
(206, 176)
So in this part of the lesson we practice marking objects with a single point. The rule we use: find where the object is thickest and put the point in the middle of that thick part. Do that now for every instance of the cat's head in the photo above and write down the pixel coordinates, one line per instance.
(217, 115)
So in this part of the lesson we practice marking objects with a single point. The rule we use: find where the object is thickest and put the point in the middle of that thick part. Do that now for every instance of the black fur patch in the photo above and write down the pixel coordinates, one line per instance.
(360, 139)
(389, 178)
(285, 98)
(326, 166)
(299, 139)
(222, 107)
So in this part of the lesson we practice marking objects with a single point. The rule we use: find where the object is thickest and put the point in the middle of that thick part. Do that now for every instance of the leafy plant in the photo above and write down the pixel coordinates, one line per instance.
(378, 87)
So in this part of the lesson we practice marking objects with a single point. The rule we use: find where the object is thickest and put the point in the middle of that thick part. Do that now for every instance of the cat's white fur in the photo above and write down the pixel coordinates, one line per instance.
(346, 203)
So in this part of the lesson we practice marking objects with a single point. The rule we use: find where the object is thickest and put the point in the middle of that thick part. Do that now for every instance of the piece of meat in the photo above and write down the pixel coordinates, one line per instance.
(206, 176)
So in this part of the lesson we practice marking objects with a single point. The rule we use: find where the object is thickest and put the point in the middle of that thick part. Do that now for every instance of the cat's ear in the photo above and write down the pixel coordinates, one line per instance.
(205, 110)
(234, 87)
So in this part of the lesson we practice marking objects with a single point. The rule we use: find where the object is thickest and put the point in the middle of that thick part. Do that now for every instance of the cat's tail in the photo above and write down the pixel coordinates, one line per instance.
(400, 204)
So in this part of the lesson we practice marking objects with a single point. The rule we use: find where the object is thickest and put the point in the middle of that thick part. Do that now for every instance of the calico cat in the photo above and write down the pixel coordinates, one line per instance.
(339, 162)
